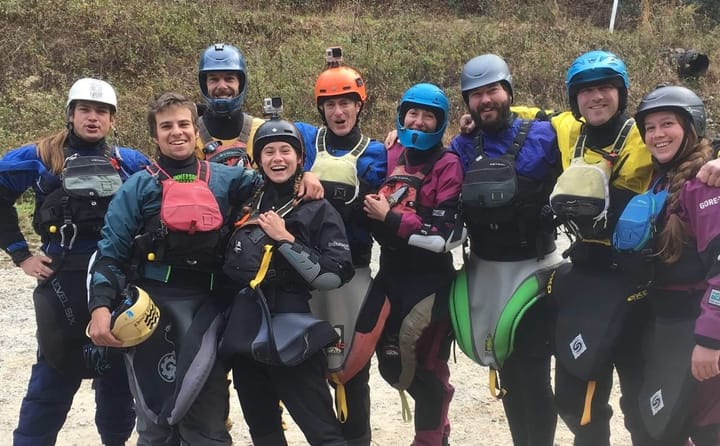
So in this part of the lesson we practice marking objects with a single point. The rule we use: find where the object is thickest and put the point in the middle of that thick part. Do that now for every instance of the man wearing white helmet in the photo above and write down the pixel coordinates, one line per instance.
(73, 175)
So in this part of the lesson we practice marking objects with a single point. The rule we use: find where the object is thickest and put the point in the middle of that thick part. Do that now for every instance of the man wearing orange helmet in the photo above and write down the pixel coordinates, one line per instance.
(349, 165)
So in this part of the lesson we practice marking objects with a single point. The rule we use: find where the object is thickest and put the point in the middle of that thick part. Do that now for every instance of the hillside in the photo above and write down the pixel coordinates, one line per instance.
(146, 48)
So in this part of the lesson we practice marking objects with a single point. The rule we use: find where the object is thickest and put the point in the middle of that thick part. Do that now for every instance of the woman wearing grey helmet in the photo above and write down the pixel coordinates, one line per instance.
(68, 226)
(680, 391)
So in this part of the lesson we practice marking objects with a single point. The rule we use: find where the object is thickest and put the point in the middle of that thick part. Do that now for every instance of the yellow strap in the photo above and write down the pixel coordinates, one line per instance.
(340, 398)
(406, 412)
(264, 266)
(587, 409)
(494, 391)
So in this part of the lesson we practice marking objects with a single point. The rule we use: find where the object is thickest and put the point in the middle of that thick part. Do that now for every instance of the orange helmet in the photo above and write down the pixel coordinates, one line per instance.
(338, 81)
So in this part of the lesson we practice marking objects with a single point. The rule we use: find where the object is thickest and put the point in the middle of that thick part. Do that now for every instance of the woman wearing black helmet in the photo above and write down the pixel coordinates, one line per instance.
(680, 392)
(283, 248)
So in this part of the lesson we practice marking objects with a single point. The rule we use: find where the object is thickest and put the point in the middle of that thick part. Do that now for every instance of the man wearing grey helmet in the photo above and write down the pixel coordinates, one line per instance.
(512, 245)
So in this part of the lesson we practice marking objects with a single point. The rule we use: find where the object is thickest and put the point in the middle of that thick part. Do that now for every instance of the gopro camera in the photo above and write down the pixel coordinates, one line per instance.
(333, 55)
(272, 106)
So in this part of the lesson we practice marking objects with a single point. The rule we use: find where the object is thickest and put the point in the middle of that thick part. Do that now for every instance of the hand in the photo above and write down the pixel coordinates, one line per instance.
(310, 187)
(274, 226)
(99, 328)
(467, 125)
(390, 138)
(37, 266)
(705, 363)
(376, 206)
(710, 173)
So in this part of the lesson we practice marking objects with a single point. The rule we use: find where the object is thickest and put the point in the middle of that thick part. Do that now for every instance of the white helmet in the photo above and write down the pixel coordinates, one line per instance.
(95, 90)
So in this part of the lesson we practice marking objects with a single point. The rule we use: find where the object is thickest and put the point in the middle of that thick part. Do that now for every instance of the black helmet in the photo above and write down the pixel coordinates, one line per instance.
(485, 70)
(277, 129)
(675, 98)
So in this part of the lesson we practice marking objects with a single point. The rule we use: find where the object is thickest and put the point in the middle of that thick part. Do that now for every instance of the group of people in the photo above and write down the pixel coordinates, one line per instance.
(244, 247)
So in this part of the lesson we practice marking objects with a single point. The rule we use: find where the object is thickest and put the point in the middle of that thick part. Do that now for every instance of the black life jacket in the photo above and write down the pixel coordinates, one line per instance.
(76, 208)
(504, 210)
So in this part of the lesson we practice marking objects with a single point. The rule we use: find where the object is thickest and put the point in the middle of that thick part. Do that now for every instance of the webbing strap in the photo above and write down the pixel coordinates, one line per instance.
(495, 392)
(264, 266)
(406, 412)
(340, 398)
(587, 408)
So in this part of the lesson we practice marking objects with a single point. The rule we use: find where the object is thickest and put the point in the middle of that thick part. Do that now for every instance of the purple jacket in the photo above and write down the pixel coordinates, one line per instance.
(700, 210)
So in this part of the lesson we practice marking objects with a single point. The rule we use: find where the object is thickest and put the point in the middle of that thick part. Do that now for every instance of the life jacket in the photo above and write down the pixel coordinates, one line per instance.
(232, 152)
(636, 225)
(246, 248)
(583, 189)
(338, 174)
(76, 209)
(492, 182)
(189, 229)
(500, 205)
(402, 188)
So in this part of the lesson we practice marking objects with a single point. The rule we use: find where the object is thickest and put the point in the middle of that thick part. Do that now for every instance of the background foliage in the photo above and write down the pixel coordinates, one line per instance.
(145, 48)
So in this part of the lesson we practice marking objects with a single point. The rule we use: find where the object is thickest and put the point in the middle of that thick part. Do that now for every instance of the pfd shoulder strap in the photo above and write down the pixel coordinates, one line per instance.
(516, 145)
(618, 146)
(244, 135)
(355, 152)
(203, 172)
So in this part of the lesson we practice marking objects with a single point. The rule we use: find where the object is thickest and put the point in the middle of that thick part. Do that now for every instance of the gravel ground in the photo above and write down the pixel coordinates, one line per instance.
(476, 417)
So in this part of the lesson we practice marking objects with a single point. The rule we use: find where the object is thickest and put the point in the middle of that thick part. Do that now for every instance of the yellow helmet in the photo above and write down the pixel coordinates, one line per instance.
(136, 318)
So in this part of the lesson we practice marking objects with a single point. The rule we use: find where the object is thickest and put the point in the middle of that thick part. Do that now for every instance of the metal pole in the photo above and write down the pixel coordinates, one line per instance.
(612, 16)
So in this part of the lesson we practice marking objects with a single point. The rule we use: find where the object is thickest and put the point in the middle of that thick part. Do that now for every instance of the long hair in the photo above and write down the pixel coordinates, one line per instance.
(51, 151)
(673, 238)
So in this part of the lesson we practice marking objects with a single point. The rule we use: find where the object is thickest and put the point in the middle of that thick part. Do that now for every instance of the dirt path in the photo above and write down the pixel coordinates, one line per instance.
(476, 417)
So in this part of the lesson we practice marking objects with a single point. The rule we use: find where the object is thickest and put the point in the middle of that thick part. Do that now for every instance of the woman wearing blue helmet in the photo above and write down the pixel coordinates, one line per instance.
(414, 219)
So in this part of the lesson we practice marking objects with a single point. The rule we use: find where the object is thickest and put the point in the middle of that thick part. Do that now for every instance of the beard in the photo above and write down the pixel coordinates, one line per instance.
(501, 122)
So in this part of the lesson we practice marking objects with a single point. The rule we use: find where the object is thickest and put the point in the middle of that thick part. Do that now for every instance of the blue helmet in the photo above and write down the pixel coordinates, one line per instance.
(426, 96)
(595, 67)
(221, 57)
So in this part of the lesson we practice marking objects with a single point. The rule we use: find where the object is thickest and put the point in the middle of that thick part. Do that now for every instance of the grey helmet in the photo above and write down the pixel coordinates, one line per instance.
(485, 70)
(676, 98)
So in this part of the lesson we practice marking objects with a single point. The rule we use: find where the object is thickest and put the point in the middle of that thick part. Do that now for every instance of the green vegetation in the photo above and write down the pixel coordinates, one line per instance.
(147, 47)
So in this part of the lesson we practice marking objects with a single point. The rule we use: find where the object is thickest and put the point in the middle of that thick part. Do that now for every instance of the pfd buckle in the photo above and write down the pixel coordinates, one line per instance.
(63, 229)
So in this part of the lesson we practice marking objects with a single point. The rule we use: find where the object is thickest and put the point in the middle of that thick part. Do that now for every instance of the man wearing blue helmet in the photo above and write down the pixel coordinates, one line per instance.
(600, 311)
(414, 218)
(225, 130)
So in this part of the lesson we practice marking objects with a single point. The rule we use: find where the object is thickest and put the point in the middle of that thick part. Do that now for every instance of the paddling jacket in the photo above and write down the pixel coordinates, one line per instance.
(698, 266)
(370, 169)
(436, 211)
(22, 169)
(530, 232)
